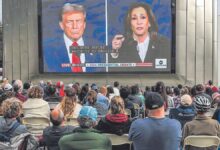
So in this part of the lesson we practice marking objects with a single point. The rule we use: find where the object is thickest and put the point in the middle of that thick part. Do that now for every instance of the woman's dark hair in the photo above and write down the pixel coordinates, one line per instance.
(83, 92)
(109, 90)
(124, 92)
(199, 88)
(169, 90)
(151, 18)
(134, 89)
(176, 91)
(26, 85)
(91, 97)
(161, 89)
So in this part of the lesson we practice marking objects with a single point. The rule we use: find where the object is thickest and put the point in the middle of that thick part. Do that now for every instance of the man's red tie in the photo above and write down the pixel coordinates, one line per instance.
(76, 60)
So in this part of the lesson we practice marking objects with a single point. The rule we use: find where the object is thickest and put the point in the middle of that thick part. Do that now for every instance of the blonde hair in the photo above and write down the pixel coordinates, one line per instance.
(68, 105)
(117, 105)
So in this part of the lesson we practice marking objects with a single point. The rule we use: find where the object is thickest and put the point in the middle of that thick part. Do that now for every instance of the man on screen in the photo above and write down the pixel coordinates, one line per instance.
(141, 42)
(72, 23)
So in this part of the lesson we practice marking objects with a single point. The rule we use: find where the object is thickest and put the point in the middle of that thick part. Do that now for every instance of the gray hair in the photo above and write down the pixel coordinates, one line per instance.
(86, 122)
(68, 7)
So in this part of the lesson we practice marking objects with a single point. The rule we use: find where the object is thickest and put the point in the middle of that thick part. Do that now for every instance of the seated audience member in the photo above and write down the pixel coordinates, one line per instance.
(185, 112)
(18, 88)
(133, 97)
(91, 99)
(102, 98)
(5, 95)
(85, 137)
(116, 121)
(155, 132)
(161, 89)
(176, 97)
(51, 94)
(35, 106)
(201, 125)
(26, 87)
(12, 109)
(83, 93)
(52, 134)
(69, 105)
(110, 93)
(124, 92)
(116, 88)
(216, 106)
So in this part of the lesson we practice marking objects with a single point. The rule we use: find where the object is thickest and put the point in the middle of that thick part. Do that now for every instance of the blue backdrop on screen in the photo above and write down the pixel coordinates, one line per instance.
(104, 19)
(118, 10)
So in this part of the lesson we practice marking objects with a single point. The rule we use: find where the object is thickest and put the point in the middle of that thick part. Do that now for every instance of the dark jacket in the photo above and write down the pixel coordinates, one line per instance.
(183, 114)
(84, 139)
(135, 99)
(115, 124)
(128, 53)
(52, 135)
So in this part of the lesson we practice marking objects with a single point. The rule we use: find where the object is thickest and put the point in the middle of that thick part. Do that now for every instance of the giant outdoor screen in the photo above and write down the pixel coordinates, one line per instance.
(98, 36)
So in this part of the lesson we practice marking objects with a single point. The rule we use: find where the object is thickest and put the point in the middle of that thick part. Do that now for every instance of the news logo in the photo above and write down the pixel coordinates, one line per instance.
(160, 63)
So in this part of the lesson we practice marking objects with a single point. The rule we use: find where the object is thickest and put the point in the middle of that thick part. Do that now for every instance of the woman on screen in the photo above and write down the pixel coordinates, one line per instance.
(141, 42)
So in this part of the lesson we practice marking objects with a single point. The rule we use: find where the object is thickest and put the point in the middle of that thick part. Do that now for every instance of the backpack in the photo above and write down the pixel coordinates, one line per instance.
(5, 136)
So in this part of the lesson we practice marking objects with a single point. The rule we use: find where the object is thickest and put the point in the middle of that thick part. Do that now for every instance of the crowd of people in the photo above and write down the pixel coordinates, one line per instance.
(159, 117)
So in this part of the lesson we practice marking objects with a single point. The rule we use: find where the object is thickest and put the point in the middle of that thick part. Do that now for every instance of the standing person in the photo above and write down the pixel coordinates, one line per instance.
(85, 137)
(141, 40)
(73, 24)
(155, 132)
(201, 125)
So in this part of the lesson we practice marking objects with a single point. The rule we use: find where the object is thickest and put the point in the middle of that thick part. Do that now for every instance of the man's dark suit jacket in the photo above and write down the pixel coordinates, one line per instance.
(55, 54)
(128, 53)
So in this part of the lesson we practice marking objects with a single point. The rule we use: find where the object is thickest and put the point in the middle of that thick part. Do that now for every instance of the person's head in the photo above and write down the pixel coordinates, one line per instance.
(26, 85)
(56, 117)
(18, 86)
(103, 90)
(216, 97)
(11, 108)
(35, 92)
(116, 84)
(117, 105)
(184, 90)
(134, 89)
(51, 90)
(124, 92)
(91, 97)
(140, 20)
(186, 100)
(199, 88)
(202, 103)
(69, 101)
(7, 87)
(87, 117)
(154, 103)
(73, 20)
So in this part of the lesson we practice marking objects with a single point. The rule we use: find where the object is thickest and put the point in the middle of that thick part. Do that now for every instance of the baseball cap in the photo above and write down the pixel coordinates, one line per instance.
(88, 111)
(7, 87)
(153, 100)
